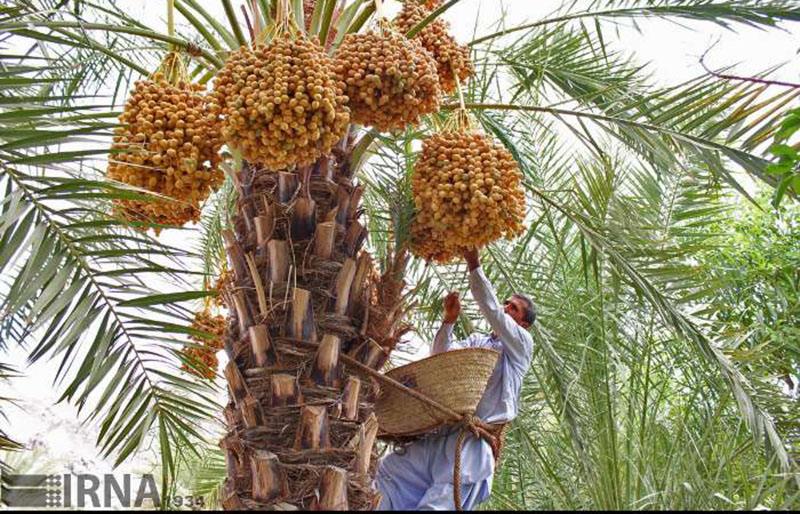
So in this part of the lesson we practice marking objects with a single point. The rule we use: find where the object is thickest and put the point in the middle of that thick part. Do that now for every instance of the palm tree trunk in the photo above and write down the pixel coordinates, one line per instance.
(301, 428)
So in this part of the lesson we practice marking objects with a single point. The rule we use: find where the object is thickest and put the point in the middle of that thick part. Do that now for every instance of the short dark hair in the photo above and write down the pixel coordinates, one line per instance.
(530, 308)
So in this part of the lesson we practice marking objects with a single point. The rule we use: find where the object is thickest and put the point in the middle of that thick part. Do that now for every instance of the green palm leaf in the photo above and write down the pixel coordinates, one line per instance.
(634, 400)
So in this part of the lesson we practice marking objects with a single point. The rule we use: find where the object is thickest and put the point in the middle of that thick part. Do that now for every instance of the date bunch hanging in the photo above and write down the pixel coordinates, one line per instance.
(390, 81)
(280, 102)
(168, 143)
(467, 192)
(452, 59)
(200, 358)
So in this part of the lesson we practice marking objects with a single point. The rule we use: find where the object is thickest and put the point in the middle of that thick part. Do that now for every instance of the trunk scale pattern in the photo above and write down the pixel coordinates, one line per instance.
(301, 428)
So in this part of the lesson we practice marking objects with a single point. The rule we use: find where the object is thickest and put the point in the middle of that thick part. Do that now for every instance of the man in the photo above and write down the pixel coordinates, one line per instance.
(421, 476)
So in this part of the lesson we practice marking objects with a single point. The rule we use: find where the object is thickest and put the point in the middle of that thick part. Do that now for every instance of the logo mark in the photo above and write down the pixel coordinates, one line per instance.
(83, 490)
(32, 491)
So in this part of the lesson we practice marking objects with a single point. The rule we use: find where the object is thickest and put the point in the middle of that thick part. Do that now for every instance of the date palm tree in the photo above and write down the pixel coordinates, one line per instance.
(624, 353)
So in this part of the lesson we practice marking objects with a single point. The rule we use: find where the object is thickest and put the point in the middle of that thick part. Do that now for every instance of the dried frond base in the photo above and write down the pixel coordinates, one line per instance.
(296, 411)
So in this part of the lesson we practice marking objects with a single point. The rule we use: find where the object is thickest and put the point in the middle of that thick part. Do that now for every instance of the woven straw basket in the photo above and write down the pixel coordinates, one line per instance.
(455, 379)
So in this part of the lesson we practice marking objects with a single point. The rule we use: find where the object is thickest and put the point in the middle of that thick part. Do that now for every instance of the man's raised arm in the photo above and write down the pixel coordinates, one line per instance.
(452, 308)
(517, 342)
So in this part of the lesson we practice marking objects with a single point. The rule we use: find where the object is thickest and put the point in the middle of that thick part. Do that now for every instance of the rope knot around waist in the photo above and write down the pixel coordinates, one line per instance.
(474, 425)
(491, 433)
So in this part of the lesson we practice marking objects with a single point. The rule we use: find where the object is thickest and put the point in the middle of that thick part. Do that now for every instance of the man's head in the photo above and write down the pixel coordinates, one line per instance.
(521, 308)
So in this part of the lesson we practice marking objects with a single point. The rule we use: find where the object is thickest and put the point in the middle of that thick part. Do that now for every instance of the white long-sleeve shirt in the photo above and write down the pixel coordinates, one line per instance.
(421, 478)
(500, 401)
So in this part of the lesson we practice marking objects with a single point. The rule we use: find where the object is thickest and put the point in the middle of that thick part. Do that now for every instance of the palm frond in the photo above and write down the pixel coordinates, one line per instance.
(641, 394)
(216, 218)
(752, 13)
(79, 283)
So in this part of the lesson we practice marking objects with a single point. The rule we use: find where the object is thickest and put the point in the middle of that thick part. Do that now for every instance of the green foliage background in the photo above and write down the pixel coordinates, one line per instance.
(667, 293)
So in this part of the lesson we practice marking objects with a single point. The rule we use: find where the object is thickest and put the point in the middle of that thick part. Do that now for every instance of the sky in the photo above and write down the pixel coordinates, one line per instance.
(672, 51)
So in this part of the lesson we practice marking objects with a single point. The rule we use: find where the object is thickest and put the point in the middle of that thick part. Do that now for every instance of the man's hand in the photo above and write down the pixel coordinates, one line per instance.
(452, 307)
(471, 256)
